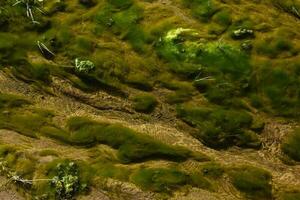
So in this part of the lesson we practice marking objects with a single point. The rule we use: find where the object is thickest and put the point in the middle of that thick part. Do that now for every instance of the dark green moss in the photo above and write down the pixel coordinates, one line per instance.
(159, 180)
(139, 81)
(179, 96)
(291, 145)
(11, 101)
(167, 180)
(144, 103)
(131, 145)
(121, 3)
(277, 88)
(255, 183)
(212, 170)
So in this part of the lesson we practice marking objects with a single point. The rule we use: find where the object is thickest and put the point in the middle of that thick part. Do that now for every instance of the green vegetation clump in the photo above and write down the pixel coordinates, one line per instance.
(123, 23)
(63, 179)
(16, 116)
(278, 88)
(66, 182)
(219, 69)
(144, 103)
(179, 96)
(166, 180)
(212, 170)
(291, 146)
(121, 3)
(11, 49)
(274, 47)
(131, 145)
(219, 128)
(223, 18)
(202, 9)
(15, 163)
(11, 101)
(255, 183)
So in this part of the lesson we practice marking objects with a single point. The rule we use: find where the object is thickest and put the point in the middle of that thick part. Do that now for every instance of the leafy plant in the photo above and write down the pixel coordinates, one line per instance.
(66, 182)
(84, 66)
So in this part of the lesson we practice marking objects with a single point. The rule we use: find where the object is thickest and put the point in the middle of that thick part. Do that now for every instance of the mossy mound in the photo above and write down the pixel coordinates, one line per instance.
(291, 145)
(220, 128)
(144, 103)
(131, 145)
(166, 180)
(255, 183)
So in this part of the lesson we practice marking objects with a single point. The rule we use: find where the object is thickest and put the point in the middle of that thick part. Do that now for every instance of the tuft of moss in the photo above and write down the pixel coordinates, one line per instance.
(166, 180)
(145, 103)
(131, 145)
(23, 120)
(219, 128)
(11, 101)
(203, 10)
(254, 182)
(291, 145)
(291, 195)
(179, 96)
(277, 88)
(121, 3)
(212, 170)
(139, 81)
(223, 18)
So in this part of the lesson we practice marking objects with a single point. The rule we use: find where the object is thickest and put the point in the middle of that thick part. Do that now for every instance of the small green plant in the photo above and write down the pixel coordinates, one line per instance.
(66, 182)
(255, 183)
(84, 66)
